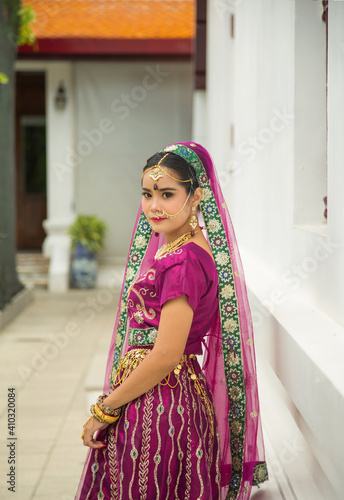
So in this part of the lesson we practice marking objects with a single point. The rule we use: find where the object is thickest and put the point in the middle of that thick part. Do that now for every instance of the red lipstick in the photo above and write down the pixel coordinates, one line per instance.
(154, 219)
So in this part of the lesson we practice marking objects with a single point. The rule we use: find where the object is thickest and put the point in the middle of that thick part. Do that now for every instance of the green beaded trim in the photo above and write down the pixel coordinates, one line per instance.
(229, 317)
(142, 337)
(138, 249)
(260, 474)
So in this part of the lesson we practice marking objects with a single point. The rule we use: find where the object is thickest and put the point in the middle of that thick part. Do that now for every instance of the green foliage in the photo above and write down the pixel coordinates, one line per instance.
(25, 33)
(3, 78)
(88, 230)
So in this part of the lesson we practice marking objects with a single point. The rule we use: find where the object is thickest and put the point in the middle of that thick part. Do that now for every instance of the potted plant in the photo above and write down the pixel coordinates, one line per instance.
(87, 232)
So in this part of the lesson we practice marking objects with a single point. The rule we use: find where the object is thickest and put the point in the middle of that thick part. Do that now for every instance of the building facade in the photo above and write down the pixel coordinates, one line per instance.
(106, 85)
(271, 117)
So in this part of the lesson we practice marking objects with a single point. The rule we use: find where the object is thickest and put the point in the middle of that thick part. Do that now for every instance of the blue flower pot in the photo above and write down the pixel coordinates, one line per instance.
(84, 268)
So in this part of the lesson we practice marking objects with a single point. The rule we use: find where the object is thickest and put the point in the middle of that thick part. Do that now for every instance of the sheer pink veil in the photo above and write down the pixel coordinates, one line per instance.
(253, 453)
(230, 366)
(148, 258)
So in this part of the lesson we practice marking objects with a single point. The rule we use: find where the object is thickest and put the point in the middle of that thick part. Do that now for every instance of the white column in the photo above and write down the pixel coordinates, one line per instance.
(199, 117)
(335, 140)
(219, 84)
(60, 174)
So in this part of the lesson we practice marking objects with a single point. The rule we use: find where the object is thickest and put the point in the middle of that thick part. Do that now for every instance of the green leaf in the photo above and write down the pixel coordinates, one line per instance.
(3, 78)
(25, 34)
(88, 230)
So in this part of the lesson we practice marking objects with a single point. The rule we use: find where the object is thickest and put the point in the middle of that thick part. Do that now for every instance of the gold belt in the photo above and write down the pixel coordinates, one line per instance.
(133, 358)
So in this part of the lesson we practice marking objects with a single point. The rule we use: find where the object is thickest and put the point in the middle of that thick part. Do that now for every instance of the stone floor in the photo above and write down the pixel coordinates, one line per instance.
(32, 268)
(47, 354)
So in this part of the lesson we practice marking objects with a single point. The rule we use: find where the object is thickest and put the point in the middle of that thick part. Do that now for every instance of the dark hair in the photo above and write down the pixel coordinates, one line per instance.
(182, 168)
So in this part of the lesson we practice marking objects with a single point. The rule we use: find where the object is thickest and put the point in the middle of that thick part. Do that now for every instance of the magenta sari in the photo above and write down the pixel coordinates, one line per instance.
(166, 444)
(197, 434)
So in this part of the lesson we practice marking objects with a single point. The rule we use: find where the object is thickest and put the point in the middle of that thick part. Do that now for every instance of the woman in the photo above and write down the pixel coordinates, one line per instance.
(166, 428)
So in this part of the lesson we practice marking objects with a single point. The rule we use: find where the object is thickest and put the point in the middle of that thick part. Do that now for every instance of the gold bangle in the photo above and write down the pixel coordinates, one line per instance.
(84, 426)
(103, 416)
(105, 409)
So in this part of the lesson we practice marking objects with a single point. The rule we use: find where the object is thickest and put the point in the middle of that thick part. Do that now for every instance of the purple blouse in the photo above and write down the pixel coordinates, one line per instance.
(190, 271)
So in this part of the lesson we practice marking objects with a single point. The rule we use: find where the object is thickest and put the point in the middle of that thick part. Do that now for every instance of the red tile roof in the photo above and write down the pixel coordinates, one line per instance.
(114, 19)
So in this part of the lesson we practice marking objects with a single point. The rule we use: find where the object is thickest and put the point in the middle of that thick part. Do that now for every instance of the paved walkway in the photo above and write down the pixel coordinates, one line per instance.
(45, 355)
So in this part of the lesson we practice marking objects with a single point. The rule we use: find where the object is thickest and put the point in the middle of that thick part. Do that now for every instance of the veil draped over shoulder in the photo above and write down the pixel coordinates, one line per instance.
(229, 364)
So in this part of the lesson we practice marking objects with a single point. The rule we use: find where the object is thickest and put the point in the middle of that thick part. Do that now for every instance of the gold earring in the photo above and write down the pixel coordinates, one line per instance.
(193, 220)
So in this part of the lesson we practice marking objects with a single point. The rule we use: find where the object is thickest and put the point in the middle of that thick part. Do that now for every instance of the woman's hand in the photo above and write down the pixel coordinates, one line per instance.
(90, 428)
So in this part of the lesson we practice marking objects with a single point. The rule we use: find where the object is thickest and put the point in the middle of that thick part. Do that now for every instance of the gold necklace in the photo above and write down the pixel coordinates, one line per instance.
(170, 247)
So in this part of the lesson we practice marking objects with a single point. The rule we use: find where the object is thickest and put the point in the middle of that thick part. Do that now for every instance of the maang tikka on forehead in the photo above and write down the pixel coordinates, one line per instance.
(156, 172)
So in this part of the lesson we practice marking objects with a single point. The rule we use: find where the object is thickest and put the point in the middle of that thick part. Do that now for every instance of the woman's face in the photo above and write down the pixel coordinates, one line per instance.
(168, 197)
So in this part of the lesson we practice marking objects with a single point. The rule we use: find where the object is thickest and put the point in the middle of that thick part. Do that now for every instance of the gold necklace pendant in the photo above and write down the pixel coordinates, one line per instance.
(170, 247)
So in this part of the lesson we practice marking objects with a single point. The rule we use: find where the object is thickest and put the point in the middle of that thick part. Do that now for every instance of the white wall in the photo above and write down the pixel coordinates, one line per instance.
(141, 106)
(117, 115)
(60, 170)
(310, 156)
(266, 131)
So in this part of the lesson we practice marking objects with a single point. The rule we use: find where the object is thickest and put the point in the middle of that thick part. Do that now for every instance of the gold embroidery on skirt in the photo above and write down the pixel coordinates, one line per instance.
(133, 358)
(157, 456)
(201, 392)
(145, 445)
(127, 364)
(113, 462)
(95, 468)
(188, 471)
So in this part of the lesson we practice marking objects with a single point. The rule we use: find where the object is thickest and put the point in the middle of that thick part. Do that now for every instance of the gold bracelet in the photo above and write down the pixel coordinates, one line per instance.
(103, 416)
(107, 410)
(84, 426)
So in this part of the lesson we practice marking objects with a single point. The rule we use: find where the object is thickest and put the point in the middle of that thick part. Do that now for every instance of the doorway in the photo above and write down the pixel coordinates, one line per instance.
(31, 168)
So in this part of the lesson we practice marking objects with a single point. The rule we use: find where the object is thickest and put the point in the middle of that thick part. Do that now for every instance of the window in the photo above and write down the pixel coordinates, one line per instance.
(34, 153)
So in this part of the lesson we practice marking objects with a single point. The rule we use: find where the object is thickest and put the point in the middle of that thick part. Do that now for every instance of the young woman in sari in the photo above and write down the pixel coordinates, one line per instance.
(165, 428)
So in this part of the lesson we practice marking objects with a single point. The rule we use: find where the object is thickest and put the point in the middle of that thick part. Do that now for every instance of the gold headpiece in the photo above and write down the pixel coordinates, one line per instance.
(157, 171)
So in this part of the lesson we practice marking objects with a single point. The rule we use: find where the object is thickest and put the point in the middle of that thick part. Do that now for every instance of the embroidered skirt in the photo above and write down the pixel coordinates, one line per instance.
(165, 445)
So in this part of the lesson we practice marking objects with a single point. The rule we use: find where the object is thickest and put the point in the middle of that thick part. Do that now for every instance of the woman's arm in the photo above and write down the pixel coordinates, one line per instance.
(174, 327)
